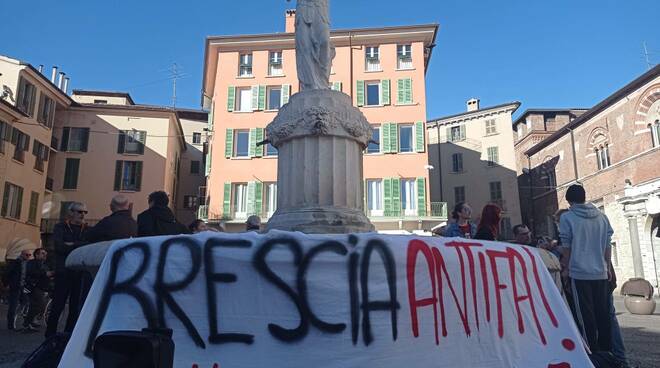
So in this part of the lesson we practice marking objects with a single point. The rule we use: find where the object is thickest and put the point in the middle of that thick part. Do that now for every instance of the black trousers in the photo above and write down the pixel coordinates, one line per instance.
(67, 286)
(15, 294)
(591, 305)
(37, 301)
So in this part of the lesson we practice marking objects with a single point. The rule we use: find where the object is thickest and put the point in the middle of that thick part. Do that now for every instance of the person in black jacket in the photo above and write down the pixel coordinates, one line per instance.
(37, 281)
(489, 225)
(119, 225)
(15, 278)
(67, 236)
(158, 219)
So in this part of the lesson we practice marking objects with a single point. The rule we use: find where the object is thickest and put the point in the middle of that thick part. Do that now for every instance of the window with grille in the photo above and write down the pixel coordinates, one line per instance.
(372, 59)
(404, 57)
(275, 63)
(189, 202)
(245, 65)
(493, 156)
(457, 162)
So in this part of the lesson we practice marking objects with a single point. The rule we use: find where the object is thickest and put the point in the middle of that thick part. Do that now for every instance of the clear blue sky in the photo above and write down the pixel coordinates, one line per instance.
(544, 53)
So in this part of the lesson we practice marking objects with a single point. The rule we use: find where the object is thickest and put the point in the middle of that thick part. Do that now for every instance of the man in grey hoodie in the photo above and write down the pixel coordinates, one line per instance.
(587, 234)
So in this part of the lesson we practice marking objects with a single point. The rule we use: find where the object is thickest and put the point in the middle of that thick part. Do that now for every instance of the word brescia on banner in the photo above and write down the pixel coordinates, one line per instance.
(289, 300)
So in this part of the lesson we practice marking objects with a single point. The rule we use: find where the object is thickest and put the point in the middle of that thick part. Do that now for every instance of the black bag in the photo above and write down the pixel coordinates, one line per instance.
(49, 353)
(604, 359)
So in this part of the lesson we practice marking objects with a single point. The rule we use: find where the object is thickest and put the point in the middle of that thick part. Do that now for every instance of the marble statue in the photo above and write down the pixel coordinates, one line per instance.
(314, 53)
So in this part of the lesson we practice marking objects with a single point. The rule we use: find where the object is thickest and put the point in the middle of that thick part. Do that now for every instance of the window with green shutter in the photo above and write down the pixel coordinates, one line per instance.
(387, 197)
(385, 92)
(253, 142)
(259, 137)
(255, 98)
(360, 92)
(231, 98)
(229, 142)
(408, 98)
(421, 196)
(420, 134)
(394, 137)
(262, 98)
(385, 132)
(226, 201)
(71, 173)
(396, 197)
(34, 203)
(258, 197)
(250, 198)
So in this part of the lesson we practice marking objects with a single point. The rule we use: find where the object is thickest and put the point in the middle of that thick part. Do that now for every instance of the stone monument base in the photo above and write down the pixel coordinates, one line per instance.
(321, 220)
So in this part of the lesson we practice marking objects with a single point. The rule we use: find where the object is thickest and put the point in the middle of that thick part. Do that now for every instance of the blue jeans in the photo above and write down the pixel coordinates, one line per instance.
(618, 350)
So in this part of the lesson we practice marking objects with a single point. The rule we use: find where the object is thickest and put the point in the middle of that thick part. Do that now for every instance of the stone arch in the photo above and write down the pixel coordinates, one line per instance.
(651, 228)
(648, 98)
(598, 137)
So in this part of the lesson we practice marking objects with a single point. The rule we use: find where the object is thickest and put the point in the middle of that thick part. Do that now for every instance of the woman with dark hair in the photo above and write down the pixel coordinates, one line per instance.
(461, 226)
(489, 226)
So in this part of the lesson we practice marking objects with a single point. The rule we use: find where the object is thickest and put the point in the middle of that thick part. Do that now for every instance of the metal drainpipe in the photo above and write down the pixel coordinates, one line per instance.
(575, 167)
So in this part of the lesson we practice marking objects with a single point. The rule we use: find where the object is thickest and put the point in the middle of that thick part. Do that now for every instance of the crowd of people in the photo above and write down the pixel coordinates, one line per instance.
(579, 259)
(32, 282)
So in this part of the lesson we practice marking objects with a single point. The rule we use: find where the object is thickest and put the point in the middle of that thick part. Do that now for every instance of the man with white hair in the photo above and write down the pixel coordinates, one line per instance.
(118, 225)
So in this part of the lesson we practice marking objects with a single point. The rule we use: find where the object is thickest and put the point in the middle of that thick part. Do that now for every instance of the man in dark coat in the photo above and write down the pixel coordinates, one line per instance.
(119, 225)
(67, 236)
(38, 282)
(15, 278)
(158, 219)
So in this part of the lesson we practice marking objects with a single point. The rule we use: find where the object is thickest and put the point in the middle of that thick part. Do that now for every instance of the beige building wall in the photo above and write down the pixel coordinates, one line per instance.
(189, 182)
(96, 177)
(482, 182)
(348, 72)
(23, 176)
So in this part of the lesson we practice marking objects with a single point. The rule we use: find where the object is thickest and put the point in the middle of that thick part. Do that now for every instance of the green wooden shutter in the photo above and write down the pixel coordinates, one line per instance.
(138, 176)
(250, 198)
(231, 98)
(286, 92)
(85, 140)
(258, 197)
(207, 168)
(255, 98)
(19, 204)
(226, 203)
(259, 136)
(387, 196)
(420, 133)
(121, 141)
(396, 197)
(408, 91)
(262, 97)
(118, 172)
(65, 140)
(385, 134)
(385, 92)
(421, 196)
(229, 143)
(394, 137)
(71, 173)
(400, 93)
(360, 93)
(252, 141)
(5, 200)
(34, 203)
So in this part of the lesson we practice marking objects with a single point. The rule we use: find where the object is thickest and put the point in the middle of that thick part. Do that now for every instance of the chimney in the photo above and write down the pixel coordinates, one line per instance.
(53, 75)
(41, 68)
(290, 21)
(60, 81)
(66, 85)
(472, 104)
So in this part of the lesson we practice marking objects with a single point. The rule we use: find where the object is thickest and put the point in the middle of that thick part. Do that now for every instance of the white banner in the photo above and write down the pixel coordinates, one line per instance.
(297, 301)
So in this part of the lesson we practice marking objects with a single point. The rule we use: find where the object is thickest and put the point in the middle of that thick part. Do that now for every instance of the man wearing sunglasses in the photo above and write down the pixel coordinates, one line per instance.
(67, 236)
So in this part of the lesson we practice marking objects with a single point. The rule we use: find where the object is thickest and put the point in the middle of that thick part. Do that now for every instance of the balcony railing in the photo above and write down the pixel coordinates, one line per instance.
(437, 210)
(49, 184)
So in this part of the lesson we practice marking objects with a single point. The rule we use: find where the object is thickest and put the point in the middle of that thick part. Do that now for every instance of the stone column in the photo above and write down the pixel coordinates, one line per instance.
(320, 137)
(638, 265)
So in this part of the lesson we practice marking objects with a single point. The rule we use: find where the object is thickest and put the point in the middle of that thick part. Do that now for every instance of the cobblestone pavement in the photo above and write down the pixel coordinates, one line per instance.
(640, 333)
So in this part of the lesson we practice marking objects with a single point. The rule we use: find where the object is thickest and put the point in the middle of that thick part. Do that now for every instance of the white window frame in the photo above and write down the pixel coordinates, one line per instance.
(240, 200)
(491, 126)
(404, 59)
(603, 157)
(268, 98)
(372, 59)
(375, 199)
(409, 197)
(378, 146)
(197, 138)
(412, 137)
(270, 198)
(366, 92)
(493, 161)
(244, 103)
(245, 62)
(237, 134)
(275, 64)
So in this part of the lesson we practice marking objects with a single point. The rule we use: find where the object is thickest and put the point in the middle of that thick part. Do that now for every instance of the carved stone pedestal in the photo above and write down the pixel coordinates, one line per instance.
(320, 138)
